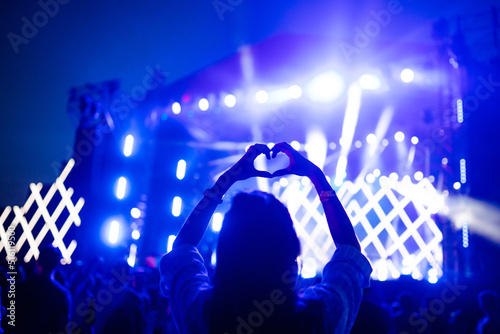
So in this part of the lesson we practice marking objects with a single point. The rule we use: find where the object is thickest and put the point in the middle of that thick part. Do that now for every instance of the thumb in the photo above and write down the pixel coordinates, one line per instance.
(281, 172)
(261, 173)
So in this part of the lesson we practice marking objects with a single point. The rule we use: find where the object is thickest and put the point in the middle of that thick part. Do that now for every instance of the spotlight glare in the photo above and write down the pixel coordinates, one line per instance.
(418, 176)
(376, 172)
(407, 75)
(129, 144)
(371, 139)
(203, 104)
(399, 136)
(370, 178)
(114, 231)
(217, 219)
(121, 188)
(432, 279)
(296, 145)
(136, 234)
(414, 140)
(369, 82)
(326, 87)
(230, 100)
(283, 182)
(181, 169)
(295, 92)
(135, 213)
(176, 206)
(261, 96)
(170, 242)
(457, 185)
(176, 108)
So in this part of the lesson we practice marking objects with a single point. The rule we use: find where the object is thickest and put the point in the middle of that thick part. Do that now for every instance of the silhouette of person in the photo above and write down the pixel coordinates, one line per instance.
(43, 304)
(254, 288)
(490, 323)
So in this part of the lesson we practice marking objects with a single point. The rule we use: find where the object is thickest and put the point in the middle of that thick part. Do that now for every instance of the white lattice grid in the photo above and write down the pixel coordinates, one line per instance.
(50, 221)
(392, 219)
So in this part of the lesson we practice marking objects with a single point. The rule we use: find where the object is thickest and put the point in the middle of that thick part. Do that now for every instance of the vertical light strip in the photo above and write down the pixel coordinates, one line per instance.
(176, 206)
(463, 171)
(181, 169)
(460, 111)
(121, 187)
(129, 144)
(114, 231)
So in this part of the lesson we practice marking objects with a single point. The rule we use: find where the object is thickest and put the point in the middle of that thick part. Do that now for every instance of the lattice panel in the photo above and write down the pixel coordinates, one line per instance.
(56, 223)
(392, 219)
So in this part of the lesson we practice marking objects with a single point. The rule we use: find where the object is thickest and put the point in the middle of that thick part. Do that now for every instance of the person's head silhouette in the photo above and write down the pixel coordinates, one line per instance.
(48, 259)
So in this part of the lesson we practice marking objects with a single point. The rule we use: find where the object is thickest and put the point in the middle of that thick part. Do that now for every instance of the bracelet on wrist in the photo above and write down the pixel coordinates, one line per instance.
(327, 195)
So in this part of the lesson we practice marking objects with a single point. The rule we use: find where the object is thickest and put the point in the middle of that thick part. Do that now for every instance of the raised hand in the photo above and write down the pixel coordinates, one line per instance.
(299, 165)
(245, 168)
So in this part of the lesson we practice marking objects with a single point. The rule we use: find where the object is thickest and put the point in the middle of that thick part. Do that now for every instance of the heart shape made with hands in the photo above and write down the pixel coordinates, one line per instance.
(281, 161)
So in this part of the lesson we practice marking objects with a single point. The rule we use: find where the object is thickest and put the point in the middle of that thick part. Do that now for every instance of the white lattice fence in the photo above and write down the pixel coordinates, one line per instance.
(392, 219)
(18, 228)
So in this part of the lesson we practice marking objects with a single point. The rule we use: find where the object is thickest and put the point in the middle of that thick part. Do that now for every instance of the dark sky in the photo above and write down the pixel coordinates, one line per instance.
(91, 41)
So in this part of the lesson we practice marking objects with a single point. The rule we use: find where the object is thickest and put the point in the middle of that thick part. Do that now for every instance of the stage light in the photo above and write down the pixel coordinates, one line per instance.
(316, 147)
(176, 206)
(465, 235)
(295, 144)
(463, 171)
(460, 111)
(305, 181)
(399, 136)
(121, 188)
(407, 75)
(129, 144)
(308, 268)
(283, 182)
(270, 145)
(114, 232)
(230, 100)
(294, 92)
(181, 169)
(341, 171)
(371, 139)
(393, 176)
(132, 255)
(457, 185)
(326, 87)
(385, 142)
(217, 220)
(414, 140)
(418, 176)
(136, 234)
(135, 213)
(203, 104)
(444, 161)
(170, 242)
(370, 178)
(213, 258)
(261, 96)
(176, 108)
(369, 82)
(332, 146)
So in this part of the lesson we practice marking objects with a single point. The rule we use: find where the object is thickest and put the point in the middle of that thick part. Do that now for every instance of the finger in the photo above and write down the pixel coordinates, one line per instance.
(262, 149)
(277, 148)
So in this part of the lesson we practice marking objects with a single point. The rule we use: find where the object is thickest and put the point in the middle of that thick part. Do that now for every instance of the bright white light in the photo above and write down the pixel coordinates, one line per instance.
(296, 145)
(121, 188)
(230, 100)
(406, 271)
(418, 176)
(176, 206)
(444, 161)
(414, 140)
(308, 268)
(465, 235)
(203, 104)
(170, 242)
(181, 169)
(371, 139)
(407, 75)
(176, 108)
(433, 279)
(305, 181)
(385, 142)
(135, 213)
(432, 272)
(370, 178)
(369, 82)
(416, 275)
(270, 145)
(376, 172)
(136, 234)
(283, 182)
(358, 144)
(399, 136)
(394, 176)
(261, 96)
(457, 185)
(129, 144)
(213, 258)
(295, 92)
(326, 87)
(460, 111)
(316, 147)
(217, 219)
(340, 173)
(132, 255)
(114, 231)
